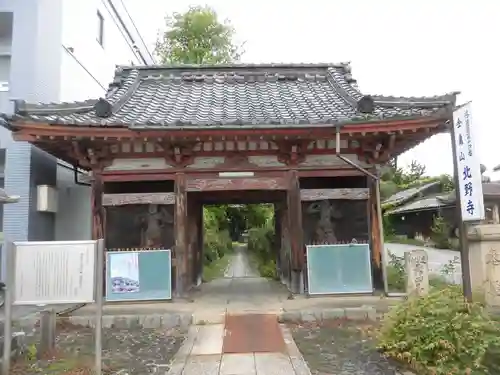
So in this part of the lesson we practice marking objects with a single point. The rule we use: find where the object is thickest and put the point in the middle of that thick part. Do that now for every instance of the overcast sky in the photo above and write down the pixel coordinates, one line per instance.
(412, 48)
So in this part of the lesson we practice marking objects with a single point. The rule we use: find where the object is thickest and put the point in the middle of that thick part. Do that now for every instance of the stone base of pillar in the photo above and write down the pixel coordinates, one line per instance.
(297, 284)
(484, 262)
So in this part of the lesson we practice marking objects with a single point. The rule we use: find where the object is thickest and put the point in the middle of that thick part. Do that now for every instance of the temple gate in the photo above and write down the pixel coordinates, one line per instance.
(167, 139)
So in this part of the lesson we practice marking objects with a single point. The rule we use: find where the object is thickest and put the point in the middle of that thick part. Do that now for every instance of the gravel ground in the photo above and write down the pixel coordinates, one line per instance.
(341, 347)
(134, 351)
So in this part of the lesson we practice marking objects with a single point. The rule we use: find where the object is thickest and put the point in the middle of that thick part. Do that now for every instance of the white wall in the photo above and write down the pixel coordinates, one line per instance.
(85, 73)
(73, 218)
(5, 46)
(89, 69)
(4, 68)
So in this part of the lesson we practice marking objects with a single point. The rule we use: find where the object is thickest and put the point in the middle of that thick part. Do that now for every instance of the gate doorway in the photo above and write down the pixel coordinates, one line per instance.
(239, 246)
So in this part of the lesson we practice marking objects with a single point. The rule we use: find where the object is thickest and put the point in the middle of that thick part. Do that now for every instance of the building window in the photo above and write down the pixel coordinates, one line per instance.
(100, 28)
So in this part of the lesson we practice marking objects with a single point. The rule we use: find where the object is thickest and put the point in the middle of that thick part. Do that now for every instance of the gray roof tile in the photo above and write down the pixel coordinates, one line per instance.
(233, 96)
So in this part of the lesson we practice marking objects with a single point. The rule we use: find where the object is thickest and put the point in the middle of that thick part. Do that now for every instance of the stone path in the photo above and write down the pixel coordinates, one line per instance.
(240, 265)
(247, 344)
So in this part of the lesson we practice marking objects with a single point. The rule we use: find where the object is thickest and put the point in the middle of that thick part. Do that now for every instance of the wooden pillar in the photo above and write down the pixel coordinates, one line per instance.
(200, 242)
(180, 230)
(277, 235)
(296, 231)
(374, 230)
(194, 222)
(98, 216)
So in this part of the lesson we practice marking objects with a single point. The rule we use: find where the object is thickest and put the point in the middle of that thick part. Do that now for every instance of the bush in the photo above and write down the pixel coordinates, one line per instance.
(441, 233)
(441, 334)
(261, 245)
(396, 273)
(216, 244)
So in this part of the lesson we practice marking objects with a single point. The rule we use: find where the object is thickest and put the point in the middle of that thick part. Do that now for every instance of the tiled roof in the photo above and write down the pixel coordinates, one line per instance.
(404, 196)
(193, 96)
(490, 190)
(427, 203)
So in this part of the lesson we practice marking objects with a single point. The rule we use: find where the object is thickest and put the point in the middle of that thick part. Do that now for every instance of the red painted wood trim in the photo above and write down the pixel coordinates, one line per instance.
(27, 130)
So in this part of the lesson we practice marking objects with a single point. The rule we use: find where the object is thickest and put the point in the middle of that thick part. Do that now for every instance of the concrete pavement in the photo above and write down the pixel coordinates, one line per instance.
(438, 258)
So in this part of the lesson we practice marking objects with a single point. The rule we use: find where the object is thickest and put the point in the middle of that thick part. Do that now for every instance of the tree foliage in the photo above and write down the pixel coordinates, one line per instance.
(197, 37)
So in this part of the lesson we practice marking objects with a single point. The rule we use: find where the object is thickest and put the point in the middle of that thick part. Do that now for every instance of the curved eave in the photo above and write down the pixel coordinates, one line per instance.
(355, 125)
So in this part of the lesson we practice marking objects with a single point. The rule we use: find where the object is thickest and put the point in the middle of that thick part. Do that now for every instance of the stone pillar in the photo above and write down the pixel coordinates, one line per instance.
(495, 214)
(417, 272)
(180, 229)
(484, 262)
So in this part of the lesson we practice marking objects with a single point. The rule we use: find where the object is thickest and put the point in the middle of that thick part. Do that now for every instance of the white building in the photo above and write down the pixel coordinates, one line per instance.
(53, 51)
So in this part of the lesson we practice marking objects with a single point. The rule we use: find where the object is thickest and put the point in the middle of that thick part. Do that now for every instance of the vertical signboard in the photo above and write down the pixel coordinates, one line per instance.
(470, 185)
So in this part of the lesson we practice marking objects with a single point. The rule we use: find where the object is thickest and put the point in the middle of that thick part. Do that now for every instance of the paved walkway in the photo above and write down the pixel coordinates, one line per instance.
(248, 344)
(242, 288)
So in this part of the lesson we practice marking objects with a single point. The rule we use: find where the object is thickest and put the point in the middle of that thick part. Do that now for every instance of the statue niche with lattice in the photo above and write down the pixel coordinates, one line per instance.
(325, 226)
(152, 225)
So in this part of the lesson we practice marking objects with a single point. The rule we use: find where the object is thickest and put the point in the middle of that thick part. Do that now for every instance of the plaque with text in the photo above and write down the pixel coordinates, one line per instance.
(54, 272)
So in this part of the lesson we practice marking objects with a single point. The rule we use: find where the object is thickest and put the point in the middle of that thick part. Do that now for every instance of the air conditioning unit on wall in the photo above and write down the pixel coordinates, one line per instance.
(46, 198)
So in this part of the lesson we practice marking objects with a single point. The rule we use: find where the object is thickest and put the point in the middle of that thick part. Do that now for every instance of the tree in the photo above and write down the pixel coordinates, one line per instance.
(197, 37)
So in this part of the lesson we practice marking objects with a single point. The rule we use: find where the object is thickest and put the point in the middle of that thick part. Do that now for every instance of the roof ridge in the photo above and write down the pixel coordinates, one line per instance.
(342, 81)
(121, 90)
(234, 65)
(417, 101)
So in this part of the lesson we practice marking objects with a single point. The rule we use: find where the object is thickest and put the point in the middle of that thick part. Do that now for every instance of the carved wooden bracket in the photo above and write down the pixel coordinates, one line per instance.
(293, 152)
(236, 160)
(179, 155)
(93, 156)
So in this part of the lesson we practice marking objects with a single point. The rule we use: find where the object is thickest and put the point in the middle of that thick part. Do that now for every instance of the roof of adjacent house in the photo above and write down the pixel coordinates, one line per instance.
(434, 201)
(404, 196)
(237, 95)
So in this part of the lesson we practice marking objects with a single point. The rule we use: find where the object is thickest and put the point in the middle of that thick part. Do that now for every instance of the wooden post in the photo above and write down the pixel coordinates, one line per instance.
(47, 332)
(199, 242)
(296, 231)
(376, 242)
(193, 219)
(277, 235)
(96, 204)
(374, 226)
(181, 243)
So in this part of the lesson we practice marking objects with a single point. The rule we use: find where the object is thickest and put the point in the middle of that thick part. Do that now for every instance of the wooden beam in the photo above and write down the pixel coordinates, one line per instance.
(218, 184)
(138, 198)
(322, 194)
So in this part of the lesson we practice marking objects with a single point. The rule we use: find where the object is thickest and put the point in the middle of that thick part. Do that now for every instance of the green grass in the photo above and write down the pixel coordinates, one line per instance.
(217, 268)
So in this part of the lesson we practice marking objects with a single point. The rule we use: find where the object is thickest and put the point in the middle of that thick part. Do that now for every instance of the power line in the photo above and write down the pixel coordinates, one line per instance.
(137, 30)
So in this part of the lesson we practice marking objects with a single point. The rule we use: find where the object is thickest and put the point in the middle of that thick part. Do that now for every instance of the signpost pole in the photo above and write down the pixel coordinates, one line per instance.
(462, 229)
(99, 288)
(9, 296)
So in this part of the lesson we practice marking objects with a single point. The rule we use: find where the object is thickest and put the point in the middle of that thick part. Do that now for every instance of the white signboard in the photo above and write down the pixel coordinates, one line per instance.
(469, 169)
(54, 272)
